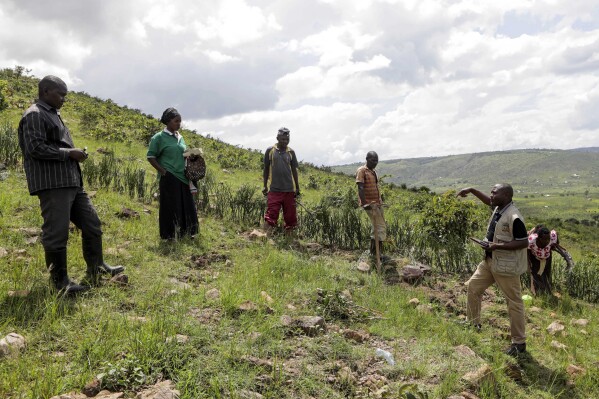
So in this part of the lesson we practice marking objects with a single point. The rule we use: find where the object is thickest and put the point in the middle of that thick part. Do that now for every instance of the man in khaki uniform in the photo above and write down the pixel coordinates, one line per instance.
(505, 260)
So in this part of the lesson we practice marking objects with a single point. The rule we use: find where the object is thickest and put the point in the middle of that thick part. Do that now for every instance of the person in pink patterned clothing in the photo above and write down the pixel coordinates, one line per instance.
(541, 243)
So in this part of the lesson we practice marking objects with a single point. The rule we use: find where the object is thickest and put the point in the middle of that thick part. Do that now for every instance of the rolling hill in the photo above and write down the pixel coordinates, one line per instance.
(529, 171)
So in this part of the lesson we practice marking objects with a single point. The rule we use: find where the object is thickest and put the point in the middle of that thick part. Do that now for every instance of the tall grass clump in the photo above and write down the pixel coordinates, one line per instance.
(336, 221)
(582, 281)
(246, 205)
(121, 176)
(10, 153)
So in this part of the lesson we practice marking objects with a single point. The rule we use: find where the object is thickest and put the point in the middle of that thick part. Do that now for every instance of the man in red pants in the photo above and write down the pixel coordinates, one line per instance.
(280, 169)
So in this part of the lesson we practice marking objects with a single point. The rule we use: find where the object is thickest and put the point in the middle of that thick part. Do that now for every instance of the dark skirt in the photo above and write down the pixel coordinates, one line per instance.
(541, 283)
(178, 215)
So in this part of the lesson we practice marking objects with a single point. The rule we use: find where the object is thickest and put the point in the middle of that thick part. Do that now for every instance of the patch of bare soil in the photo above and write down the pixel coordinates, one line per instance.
(451, 296)
(206, 315)
(203, 261)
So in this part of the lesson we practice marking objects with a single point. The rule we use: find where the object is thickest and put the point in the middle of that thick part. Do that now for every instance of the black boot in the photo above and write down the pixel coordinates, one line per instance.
(92, 253)
(56, 261)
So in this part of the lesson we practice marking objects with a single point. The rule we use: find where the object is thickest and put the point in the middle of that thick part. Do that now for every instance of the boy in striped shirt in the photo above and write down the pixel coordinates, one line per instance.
(369, 198)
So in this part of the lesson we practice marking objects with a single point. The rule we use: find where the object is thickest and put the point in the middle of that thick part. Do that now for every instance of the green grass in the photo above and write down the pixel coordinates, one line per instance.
(71, 341)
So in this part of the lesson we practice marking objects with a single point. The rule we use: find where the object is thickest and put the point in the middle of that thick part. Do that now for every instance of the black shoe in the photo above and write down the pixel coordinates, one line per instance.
(56, 261)
(112, 270)
(93, 255)
(73, 289)
(515, 349)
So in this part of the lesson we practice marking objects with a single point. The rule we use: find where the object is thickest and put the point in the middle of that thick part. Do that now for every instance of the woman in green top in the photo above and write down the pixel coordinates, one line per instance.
(178, 215)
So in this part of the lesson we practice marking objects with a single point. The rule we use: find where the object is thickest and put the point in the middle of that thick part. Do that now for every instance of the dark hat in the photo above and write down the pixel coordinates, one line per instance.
(283, 132)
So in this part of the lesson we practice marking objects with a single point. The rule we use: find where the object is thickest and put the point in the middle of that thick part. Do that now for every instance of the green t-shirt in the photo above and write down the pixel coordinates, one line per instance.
(168, 151)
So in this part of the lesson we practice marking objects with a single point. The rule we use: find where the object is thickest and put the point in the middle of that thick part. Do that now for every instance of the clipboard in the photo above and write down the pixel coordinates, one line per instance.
(481, 243)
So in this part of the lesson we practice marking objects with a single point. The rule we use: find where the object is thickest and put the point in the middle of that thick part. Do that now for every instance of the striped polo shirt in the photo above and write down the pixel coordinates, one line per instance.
(371, 188)
(44, 141)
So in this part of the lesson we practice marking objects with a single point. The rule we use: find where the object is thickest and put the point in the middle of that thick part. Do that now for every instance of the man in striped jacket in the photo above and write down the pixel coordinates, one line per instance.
(51, 163)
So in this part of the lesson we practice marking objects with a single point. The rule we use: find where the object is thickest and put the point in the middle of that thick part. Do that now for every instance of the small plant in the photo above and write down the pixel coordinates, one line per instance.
(411, 391)
(312, 182)
(335, 305)
(125, 374)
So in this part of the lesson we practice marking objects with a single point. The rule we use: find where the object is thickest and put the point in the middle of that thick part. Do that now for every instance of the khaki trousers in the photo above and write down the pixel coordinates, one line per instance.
(377, 219)
(482, 279)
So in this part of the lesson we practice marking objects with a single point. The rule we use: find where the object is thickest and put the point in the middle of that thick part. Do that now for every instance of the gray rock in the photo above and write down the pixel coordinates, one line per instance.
(11, 344)
(162, 390)
(465, 351)
(310, 325)
(555, 327)
(213, 294)
(247, 394)
(475, 378)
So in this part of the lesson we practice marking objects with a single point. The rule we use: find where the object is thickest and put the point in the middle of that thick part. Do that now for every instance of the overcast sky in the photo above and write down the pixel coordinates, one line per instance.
(406, 78)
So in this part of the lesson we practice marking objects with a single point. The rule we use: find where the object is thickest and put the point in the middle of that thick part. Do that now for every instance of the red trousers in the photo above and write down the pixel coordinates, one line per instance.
(274, 203)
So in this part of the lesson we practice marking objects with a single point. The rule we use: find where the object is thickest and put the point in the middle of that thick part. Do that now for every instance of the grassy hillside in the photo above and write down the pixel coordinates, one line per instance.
(528, 170)
(552, 186)
(221, 315)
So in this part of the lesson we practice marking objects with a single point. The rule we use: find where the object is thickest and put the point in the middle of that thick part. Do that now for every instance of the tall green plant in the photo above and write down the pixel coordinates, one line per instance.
(580, 282)
(446, 224)
(10, 153)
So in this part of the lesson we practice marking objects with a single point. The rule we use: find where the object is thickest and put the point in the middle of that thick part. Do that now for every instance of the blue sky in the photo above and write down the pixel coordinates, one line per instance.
(403, 78)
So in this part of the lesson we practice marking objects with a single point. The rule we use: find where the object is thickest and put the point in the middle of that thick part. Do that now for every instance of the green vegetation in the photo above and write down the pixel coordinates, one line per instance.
(234, 340)
(549, 183)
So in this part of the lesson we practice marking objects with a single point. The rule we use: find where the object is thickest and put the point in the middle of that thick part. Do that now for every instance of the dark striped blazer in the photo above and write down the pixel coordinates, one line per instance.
(44, 140)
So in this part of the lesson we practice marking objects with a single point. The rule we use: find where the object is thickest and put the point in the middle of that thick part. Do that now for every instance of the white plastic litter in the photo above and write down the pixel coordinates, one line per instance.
(385, 355)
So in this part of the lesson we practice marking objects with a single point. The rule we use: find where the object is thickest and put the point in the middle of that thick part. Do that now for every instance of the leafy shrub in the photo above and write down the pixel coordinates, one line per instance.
(3, 94)
(446, 224)
(312, 182)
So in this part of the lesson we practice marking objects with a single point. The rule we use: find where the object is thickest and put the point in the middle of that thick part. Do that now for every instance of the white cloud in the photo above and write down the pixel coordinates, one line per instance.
(349, 80)
(137, 31)
(235, 23)
(64, 56)
(319, 134)
(404, 78)
(218, 57)
(585, 115)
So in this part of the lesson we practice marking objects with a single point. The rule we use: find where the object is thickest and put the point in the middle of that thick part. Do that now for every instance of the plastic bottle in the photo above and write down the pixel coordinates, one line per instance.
(385, 355)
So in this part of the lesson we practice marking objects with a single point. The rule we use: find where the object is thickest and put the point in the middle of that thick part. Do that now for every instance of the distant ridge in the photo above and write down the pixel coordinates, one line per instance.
(531, 170)
(586, 149)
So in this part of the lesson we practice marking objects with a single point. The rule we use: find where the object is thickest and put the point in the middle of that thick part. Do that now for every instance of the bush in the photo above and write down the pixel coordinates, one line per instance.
(446, 223)
(3, 94)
